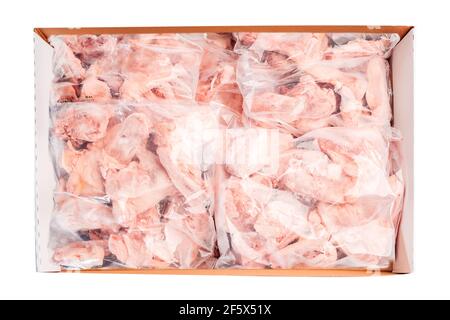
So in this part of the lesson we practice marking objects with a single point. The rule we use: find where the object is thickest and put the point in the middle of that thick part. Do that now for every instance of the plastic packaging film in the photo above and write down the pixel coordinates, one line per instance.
(205, 151)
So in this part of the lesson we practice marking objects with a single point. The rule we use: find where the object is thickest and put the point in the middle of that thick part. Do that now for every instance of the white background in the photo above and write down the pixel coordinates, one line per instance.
(18, 278)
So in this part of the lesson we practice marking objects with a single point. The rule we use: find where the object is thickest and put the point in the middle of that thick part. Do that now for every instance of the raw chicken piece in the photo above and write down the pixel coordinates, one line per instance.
(353, 147)
(302, 48)
(217, 79)
(259, 221)
(190, 234)
(189, 179)
(320, 102)
(183, 239)
(65, 64)
(278, 62)
(142, 60)
(221, 40)
(85, 178)
(70, 157)
(359, 47)
(149, 221)
(316, 223)
(187, 148)
(337, 165)
(138, 88)
(278, 95)
(276, 107)
(64, 92)
(246, 39)
(312, 174)
(363, 156)
(131, 250)
(124, 139)
(305, 125)
(377, 94)
(355, 82)
(108, 69)
(159, 67)
(90, 48)
(77, 214)
(364, 228)
(133, 181)
(81, 255)
(137, 187)
(82, 122)
(299, 109)
(95, 90)
(352, 111)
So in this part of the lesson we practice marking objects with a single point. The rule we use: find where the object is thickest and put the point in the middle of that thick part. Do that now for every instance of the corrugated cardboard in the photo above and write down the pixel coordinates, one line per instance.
(403, 81)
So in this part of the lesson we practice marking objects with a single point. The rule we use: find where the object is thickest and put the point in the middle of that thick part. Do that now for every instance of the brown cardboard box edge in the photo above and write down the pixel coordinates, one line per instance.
(45, 33)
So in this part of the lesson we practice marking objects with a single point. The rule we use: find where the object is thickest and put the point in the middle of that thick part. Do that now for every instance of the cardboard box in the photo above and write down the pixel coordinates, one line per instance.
(403, 100)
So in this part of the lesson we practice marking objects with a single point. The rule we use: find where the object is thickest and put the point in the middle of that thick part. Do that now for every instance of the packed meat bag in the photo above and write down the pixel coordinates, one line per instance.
(224, 150)
(125, 67)
(303, 81)
(332, 203)
(133, 190)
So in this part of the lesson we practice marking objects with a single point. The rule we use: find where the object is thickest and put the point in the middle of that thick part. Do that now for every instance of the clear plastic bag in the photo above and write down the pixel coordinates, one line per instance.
(128, 188)
(332, 203)
(217, 78)
(126, 67)
(246, 150)
(303, 81)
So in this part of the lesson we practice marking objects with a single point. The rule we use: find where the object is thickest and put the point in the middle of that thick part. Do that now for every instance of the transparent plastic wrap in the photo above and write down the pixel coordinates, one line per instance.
(334, 203)
(217, 80)
(303, 81)
(221, 150)
(134, 189)
(126, 67)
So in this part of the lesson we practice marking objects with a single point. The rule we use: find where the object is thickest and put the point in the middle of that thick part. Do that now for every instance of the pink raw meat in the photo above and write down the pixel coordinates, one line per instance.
(220, 150)
(303, 48)
(85, 178)
(94, 89)
(124, 139)
(364, 228)
(377, 95)
(75, 214)
(82, 122)
(217, 79)
(182, 147)
(355, 82)
(137, 187)
(184, 240)
(81, 255)
(66, 64)
(90, 48)
(358, 47)
(64, 92)
(341, 164)
(260, 221)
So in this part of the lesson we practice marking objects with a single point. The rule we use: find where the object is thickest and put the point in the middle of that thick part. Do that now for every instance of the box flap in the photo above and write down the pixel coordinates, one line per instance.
(45, 181)
(403, 87)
